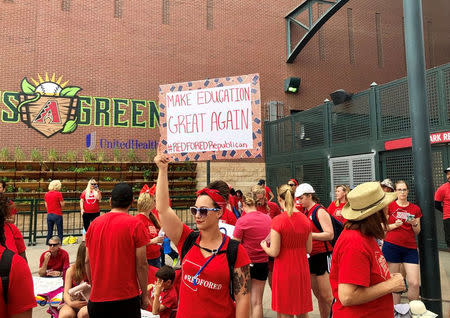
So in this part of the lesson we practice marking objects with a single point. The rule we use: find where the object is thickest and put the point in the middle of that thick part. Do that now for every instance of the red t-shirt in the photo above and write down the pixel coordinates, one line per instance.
(358, 260)
(90, 203)
(169, 299)
(272, 209)
(112, 240)
(20, 288)
(403, 235)
(443, 195)
(152, 250)
(211, 297)
(58, 262)
(318, 246)
(251, 229)
(267, 189)
(333, 209)
(228, 217)
(12, 208)
(14, 239)
(53, 199)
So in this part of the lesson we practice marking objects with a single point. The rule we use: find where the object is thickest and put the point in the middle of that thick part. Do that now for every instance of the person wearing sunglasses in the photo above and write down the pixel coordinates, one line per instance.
(55, 261)
(89, 203)
(400, 246)
(293, 183)
(205, 278)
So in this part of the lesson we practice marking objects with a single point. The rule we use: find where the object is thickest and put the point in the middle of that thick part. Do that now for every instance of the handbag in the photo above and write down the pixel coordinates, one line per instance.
(80, 292)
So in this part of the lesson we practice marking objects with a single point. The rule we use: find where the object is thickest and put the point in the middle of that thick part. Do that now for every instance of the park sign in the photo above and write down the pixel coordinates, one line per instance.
(211, 119)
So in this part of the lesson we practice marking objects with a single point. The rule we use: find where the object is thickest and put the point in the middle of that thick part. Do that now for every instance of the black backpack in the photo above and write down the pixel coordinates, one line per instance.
(338, 227)
(5, 268)
(231, 251)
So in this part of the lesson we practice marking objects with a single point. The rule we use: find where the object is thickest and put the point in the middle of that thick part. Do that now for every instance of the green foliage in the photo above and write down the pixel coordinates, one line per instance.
(151, 155)
(71, 155)
(147, 174)
(107, 179)
(132, 156)
(100, 156)
(36, 155)
(52, 155)
(19, 155)
(4, 154)
(89, 156)
(117, 155)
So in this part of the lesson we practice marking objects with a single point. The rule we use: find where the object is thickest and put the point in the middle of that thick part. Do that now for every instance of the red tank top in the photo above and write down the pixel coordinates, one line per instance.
(318, 246)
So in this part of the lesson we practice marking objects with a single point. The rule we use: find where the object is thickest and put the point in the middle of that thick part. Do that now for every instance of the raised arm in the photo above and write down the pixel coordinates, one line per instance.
(170, 222)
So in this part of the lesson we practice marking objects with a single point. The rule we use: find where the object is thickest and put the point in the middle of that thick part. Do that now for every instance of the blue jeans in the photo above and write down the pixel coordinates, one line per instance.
(51, 220)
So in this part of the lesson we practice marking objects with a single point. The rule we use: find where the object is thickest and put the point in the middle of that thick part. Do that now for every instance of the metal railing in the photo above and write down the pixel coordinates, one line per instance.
(31, 219)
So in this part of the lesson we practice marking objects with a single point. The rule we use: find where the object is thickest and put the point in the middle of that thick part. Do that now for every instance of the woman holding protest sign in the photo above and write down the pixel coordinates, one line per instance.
(290, 241)
(209, 282)
(400, 246)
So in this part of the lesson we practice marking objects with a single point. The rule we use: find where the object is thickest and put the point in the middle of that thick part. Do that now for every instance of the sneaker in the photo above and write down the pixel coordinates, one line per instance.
(175, 261)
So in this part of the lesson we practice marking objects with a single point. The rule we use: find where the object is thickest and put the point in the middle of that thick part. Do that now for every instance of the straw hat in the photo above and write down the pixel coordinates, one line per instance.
(418, 309)
(365, 200)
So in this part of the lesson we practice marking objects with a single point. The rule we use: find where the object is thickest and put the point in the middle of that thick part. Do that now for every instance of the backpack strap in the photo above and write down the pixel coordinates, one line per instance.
(232, 250)
(5, 268)
(316, 222)
(188, 243)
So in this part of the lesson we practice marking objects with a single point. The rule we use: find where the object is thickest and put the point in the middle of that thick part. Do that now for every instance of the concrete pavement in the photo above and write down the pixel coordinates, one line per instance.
(34, 252)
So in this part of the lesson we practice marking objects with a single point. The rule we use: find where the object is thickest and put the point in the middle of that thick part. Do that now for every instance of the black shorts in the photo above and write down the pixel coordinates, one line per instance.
(129, 308)
(259, 271)
(447, 231)
(319, 263)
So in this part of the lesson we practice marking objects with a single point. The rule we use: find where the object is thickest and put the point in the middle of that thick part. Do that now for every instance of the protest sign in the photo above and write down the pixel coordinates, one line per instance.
(211, 119)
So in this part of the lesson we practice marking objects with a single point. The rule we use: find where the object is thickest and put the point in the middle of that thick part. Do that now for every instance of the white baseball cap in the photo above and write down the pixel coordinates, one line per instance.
(304, 188)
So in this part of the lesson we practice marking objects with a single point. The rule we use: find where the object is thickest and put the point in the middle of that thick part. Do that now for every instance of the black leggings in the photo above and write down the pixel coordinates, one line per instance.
(88, 218)
(129, 308)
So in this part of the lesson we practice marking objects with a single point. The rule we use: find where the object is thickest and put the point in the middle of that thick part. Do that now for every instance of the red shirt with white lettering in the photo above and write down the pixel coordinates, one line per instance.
(53, 199)
(443, 195)
(152, 250)
(228, 217)
(251, 229)
(211, 297)
(403, 235)
(112, 239)
(58, 262)
(90, 202)
(20, 288)
(14, 239)
(333, 210)
(358, 260)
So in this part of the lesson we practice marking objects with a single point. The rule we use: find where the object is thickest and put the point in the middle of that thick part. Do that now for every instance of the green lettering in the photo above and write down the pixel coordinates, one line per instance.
(84, 105)
(137, 112)
(153, 114)
(10, 100)
(118, 112)
(102, 111)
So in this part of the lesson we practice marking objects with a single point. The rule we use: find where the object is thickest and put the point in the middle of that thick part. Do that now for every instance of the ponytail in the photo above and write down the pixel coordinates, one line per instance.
(287, 195)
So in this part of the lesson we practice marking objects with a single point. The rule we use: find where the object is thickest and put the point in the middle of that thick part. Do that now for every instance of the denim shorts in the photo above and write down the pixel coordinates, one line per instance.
(399, 254)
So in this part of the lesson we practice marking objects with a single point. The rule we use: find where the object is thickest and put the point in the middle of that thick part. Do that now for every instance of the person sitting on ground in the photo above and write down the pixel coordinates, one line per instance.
(75, 275)
(55, 261)
(20, 294)
(165, 298)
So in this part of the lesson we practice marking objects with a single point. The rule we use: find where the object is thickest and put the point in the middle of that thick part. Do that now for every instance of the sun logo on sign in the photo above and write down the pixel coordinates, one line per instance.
(49, 106)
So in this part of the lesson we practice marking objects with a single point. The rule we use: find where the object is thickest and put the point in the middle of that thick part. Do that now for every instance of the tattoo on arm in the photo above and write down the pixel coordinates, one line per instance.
(241, 280)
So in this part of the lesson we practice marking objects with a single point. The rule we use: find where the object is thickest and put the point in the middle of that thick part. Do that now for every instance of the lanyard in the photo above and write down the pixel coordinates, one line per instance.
(214, 253)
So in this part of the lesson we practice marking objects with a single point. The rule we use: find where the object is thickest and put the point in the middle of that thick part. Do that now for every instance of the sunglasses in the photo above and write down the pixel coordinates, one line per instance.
(291, 184)
(203, 211)
(93, 184)
(52, 245)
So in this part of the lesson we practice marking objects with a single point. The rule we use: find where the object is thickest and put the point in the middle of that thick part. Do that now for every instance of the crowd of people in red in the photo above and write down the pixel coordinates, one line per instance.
(293, 245)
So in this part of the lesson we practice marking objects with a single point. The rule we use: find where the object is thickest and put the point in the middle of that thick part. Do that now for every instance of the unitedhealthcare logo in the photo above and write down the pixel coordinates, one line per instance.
(90, 140)
(104, 143)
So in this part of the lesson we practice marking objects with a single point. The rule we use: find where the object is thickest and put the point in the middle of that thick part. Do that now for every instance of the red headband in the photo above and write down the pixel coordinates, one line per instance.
(146, 189)
(214, 195)
(295, 181)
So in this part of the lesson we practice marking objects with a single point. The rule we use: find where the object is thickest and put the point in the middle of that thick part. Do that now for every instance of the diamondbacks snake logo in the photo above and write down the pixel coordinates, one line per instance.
(49, 106)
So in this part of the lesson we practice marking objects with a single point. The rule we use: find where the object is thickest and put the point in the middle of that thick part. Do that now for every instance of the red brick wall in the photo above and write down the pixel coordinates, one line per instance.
(130, 55)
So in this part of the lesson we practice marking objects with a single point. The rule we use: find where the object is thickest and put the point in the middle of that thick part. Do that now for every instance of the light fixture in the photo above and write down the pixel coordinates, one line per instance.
(292, 84)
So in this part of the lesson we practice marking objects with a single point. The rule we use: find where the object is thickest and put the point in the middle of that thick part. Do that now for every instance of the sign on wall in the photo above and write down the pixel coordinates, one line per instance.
(211, 119)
